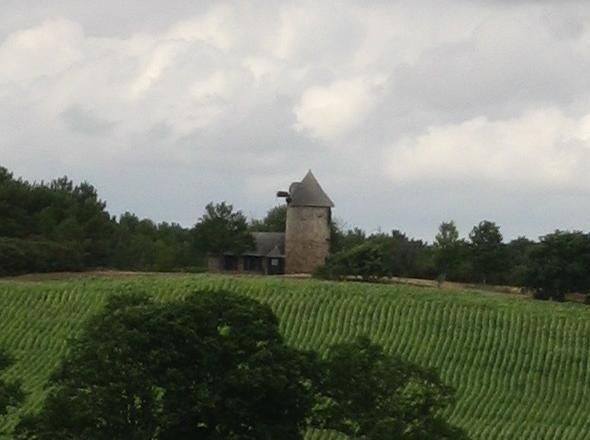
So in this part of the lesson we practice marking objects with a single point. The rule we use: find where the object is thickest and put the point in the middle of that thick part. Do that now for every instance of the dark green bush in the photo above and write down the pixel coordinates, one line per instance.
(368, 261)
(559, 265)
(19, 256)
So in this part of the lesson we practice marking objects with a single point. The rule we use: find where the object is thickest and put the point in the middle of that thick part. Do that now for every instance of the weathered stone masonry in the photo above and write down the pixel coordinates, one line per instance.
(307, 239)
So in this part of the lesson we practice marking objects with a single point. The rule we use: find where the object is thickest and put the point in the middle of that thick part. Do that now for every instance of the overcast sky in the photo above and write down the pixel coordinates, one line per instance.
(409, 113)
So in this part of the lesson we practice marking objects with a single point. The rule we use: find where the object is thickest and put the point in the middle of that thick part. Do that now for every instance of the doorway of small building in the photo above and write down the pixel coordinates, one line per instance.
(253, 264)
(230, 262)
(275, 266)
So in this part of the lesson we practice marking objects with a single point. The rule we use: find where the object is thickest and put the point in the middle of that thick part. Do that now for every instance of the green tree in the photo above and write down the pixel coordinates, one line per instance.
(518, 256)
(221, 230)
(213, 366)
(447, 236)
(367, 394)
(409, 257)
(487, 251)
(377, 256)
(61, 215)
(341, 240)
(448, 250)
(559, 265)
(145, 245)
(274, 221)
(369, 261)
(11, 393)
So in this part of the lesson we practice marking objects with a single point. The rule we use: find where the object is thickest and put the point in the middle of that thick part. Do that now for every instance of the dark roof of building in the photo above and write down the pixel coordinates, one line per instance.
(268, 244)
(308, 192)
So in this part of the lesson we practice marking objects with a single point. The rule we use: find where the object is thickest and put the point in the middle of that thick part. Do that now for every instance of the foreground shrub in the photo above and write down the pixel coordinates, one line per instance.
(11, 393)
(368, 394)
(212, 367)
(215, 366)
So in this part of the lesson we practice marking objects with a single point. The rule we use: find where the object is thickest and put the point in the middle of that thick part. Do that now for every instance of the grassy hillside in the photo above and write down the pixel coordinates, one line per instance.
(521, 368)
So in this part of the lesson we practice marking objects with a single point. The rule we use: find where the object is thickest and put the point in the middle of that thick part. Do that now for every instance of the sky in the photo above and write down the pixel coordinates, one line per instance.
(408, 113)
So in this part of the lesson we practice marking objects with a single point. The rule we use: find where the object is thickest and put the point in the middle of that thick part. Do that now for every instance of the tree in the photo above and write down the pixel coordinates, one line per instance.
(62, 226)
(275, 220)
(11, 393)
(409, 257)
(447, 235)
(369, 261)
(341, 240)
(487, 251)
(367, 394)
(213, 366)
(377, 256)
(559, 265)
(221, 230)
(448, 250)
(518, 254)
(59, 215)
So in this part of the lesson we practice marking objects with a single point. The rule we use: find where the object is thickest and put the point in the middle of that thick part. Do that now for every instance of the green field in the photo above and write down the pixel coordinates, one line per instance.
(521, 368)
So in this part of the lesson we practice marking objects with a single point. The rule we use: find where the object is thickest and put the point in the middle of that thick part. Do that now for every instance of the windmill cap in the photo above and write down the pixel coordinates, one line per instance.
(308, 192)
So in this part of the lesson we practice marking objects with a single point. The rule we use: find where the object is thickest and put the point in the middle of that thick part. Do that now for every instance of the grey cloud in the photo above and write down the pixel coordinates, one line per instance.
(467, 79)
(104, 18)
(163, 121)
(85, 121)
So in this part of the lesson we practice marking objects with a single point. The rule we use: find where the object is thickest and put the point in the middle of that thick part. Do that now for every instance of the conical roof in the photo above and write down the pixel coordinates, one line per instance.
(308, 192)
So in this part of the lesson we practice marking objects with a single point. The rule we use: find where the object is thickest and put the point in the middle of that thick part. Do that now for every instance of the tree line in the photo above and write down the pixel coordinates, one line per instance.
(60, 226)
(554, 265)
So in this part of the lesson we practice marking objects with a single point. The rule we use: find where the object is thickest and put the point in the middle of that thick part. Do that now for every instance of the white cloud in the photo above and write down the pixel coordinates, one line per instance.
(44, 50)
(316, 32)
(264, 68)
(218, 86)
(333, 111)
(540, 149)
(160, 58)
(215, 27)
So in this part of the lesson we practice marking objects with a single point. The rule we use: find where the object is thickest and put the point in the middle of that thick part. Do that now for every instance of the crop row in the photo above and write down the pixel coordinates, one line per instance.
(521, 369)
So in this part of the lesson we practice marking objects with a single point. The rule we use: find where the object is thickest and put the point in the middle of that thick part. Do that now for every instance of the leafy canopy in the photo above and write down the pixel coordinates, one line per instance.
(213, 366)
(487, 250)
(274, 221)
(368, 394)
(450, 251)
(447, 235)
(369, 260)
(221, 230)
(60, 226)
(559, 265)
(11, 393)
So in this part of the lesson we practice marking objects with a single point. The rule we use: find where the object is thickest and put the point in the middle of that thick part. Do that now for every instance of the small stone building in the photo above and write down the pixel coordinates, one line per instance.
(303, 246)
(267, 257)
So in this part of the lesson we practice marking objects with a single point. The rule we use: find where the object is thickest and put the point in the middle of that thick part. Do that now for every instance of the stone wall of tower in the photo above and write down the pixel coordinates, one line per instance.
(307, 238)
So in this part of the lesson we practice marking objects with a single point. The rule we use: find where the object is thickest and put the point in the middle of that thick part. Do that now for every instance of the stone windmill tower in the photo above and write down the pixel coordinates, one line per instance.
(307, 235)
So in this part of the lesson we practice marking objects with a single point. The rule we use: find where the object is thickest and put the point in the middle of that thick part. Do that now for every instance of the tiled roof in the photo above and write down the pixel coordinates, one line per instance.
(268, 244)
